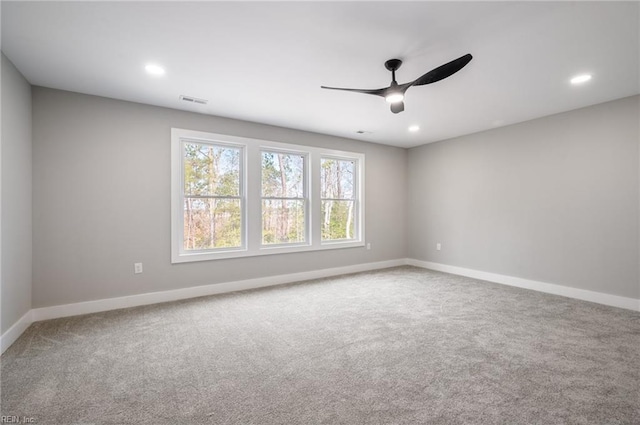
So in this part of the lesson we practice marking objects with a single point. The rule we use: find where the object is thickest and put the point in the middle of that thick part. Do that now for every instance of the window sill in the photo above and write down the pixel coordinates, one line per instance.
(268, 250)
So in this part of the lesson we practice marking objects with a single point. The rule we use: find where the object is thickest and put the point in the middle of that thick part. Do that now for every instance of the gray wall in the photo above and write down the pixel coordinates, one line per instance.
(16, 196)
(553, 199)
(102, 200)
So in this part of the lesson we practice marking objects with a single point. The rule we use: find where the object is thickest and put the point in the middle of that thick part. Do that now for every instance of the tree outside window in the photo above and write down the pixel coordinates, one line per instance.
(338, 200)
(212, 197)
(283, 198)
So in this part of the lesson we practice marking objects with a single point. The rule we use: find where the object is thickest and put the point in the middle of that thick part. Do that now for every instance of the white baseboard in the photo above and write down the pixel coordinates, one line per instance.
(46, 313)
(75, 309)
(96, 306)
(14, 332)
(549, 288)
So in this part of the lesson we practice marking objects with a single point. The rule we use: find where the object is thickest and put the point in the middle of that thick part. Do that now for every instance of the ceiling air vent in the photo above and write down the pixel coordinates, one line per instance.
(192, 99)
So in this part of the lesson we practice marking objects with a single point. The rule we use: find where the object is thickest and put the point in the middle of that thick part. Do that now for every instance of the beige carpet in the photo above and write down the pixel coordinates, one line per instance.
(397, 346)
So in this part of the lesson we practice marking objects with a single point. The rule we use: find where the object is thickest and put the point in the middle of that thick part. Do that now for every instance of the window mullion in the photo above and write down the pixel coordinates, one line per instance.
(315, 203)
(254, 198)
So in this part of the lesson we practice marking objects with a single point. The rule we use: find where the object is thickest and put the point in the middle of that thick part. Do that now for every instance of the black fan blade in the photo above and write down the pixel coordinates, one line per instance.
(397, 107)
(376, 92)
(443, 71)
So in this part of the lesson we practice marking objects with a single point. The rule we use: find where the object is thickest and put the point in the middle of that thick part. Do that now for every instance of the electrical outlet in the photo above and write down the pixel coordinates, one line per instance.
(368, 246)
(137, 268)
(438, 246)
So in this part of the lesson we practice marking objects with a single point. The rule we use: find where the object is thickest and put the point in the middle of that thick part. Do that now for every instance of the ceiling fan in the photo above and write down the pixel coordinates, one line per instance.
(394, 94)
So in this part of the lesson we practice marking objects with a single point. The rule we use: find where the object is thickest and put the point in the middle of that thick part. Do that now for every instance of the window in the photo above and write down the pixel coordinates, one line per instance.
(338, 201)
(235, 197)
(212, 196)
(284, 198)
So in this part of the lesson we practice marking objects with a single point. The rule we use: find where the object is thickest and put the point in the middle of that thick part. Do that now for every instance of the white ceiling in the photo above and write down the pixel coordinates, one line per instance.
(265, 61)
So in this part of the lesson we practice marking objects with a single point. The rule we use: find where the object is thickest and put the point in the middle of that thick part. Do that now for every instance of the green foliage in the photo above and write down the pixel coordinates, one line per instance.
(211, 170)
(338, 220)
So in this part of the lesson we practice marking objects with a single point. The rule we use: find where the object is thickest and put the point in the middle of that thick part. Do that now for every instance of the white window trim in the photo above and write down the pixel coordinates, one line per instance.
(252, 202)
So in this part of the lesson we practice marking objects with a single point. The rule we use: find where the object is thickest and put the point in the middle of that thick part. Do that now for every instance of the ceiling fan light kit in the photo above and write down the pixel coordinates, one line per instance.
(394, 97)
(394, 94)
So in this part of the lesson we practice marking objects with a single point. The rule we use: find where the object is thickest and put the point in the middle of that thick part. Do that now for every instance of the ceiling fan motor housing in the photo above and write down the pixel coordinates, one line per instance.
(393, 64)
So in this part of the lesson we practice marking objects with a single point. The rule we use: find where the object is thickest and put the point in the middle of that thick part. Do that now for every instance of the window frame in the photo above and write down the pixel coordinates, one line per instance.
(355, 199)
(178, 196)
(251, 203)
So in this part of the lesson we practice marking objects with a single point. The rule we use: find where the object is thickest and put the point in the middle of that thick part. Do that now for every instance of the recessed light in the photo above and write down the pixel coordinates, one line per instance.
(579, 79)
(414, 128)
(154, 69)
